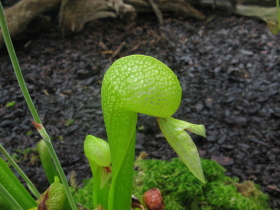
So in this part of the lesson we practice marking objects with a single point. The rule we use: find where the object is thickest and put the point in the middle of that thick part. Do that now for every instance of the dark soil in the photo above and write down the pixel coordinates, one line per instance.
(228, 68)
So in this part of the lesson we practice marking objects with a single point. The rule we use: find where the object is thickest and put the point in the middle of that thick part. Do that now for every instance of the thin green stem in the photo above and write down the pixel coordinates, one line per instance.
(99, 195)
(278, 12)
(13, 57)
(31, 186)
(9, 198)
(95, 170)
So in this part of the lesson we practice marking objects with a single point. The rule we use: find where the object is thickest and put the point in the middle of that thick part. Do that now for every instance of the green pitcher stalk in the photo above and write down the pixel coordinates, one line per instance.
(136, 84)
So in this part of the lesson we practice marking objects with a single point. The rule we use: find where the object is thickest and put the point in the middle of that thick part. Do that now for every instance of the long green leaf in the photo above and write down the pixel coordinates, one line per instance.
(30, 185)
(10, 182)
(9, 201)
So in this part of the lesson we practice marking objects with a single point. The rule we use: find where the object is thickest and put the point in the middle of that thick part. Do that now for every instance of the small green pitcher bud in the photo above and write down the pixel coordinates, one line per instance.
(97, 150)
(47, 161)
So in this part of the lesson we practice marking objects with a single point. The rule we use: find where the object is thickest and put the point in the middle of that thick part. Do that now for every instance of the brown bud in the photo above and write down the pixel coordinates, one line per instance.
(38, 126)
(153, 199)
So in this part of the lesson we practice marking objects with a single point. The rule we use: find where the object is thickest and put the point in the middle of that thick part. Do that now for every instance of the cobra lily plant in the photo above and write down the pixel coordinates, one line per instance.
(133, 84)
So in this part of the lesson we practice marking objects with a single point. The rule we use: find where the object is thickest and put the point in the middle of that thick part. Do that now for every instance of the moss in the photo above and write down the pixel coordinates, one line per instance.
(181, 190)
(83, 196)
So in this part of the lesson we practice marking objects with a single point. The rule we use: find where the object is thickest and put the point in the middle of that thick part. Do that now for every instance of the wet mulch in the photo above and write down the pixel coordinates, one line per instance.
(228, 68)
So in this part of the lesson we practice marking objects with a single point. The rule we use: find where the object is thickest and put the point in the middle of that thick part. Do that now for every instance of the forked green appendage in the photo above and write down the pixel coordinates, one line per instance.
(133, 84)
(174, 132)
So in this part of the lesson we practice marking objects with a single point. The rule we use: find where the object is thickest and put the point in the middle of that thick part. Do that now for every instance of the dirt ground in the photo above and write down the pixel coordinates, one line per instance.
(228, 68)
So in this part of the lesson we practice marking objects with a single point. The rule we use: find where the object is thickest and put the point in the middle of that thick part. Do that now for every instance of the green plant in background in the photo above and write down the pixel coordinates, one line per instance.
(274, 27)
(27, 154)
(29, 133)
(69, 122)
(11, 104)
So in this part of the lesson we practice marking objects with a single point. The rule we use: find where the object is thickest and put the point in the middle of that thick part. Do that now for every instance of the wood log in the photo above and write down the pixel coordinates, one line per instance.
(19, 16)
(224, 5)
(180, 7)
(75, 13)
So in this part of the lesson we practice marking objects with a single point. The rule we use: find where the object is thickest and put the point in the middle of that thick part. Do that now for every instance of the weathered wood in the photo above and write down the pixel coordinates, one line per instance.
(20, 15)
(74, 13)
(156, 11)
(181, 7)
(225, 5)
